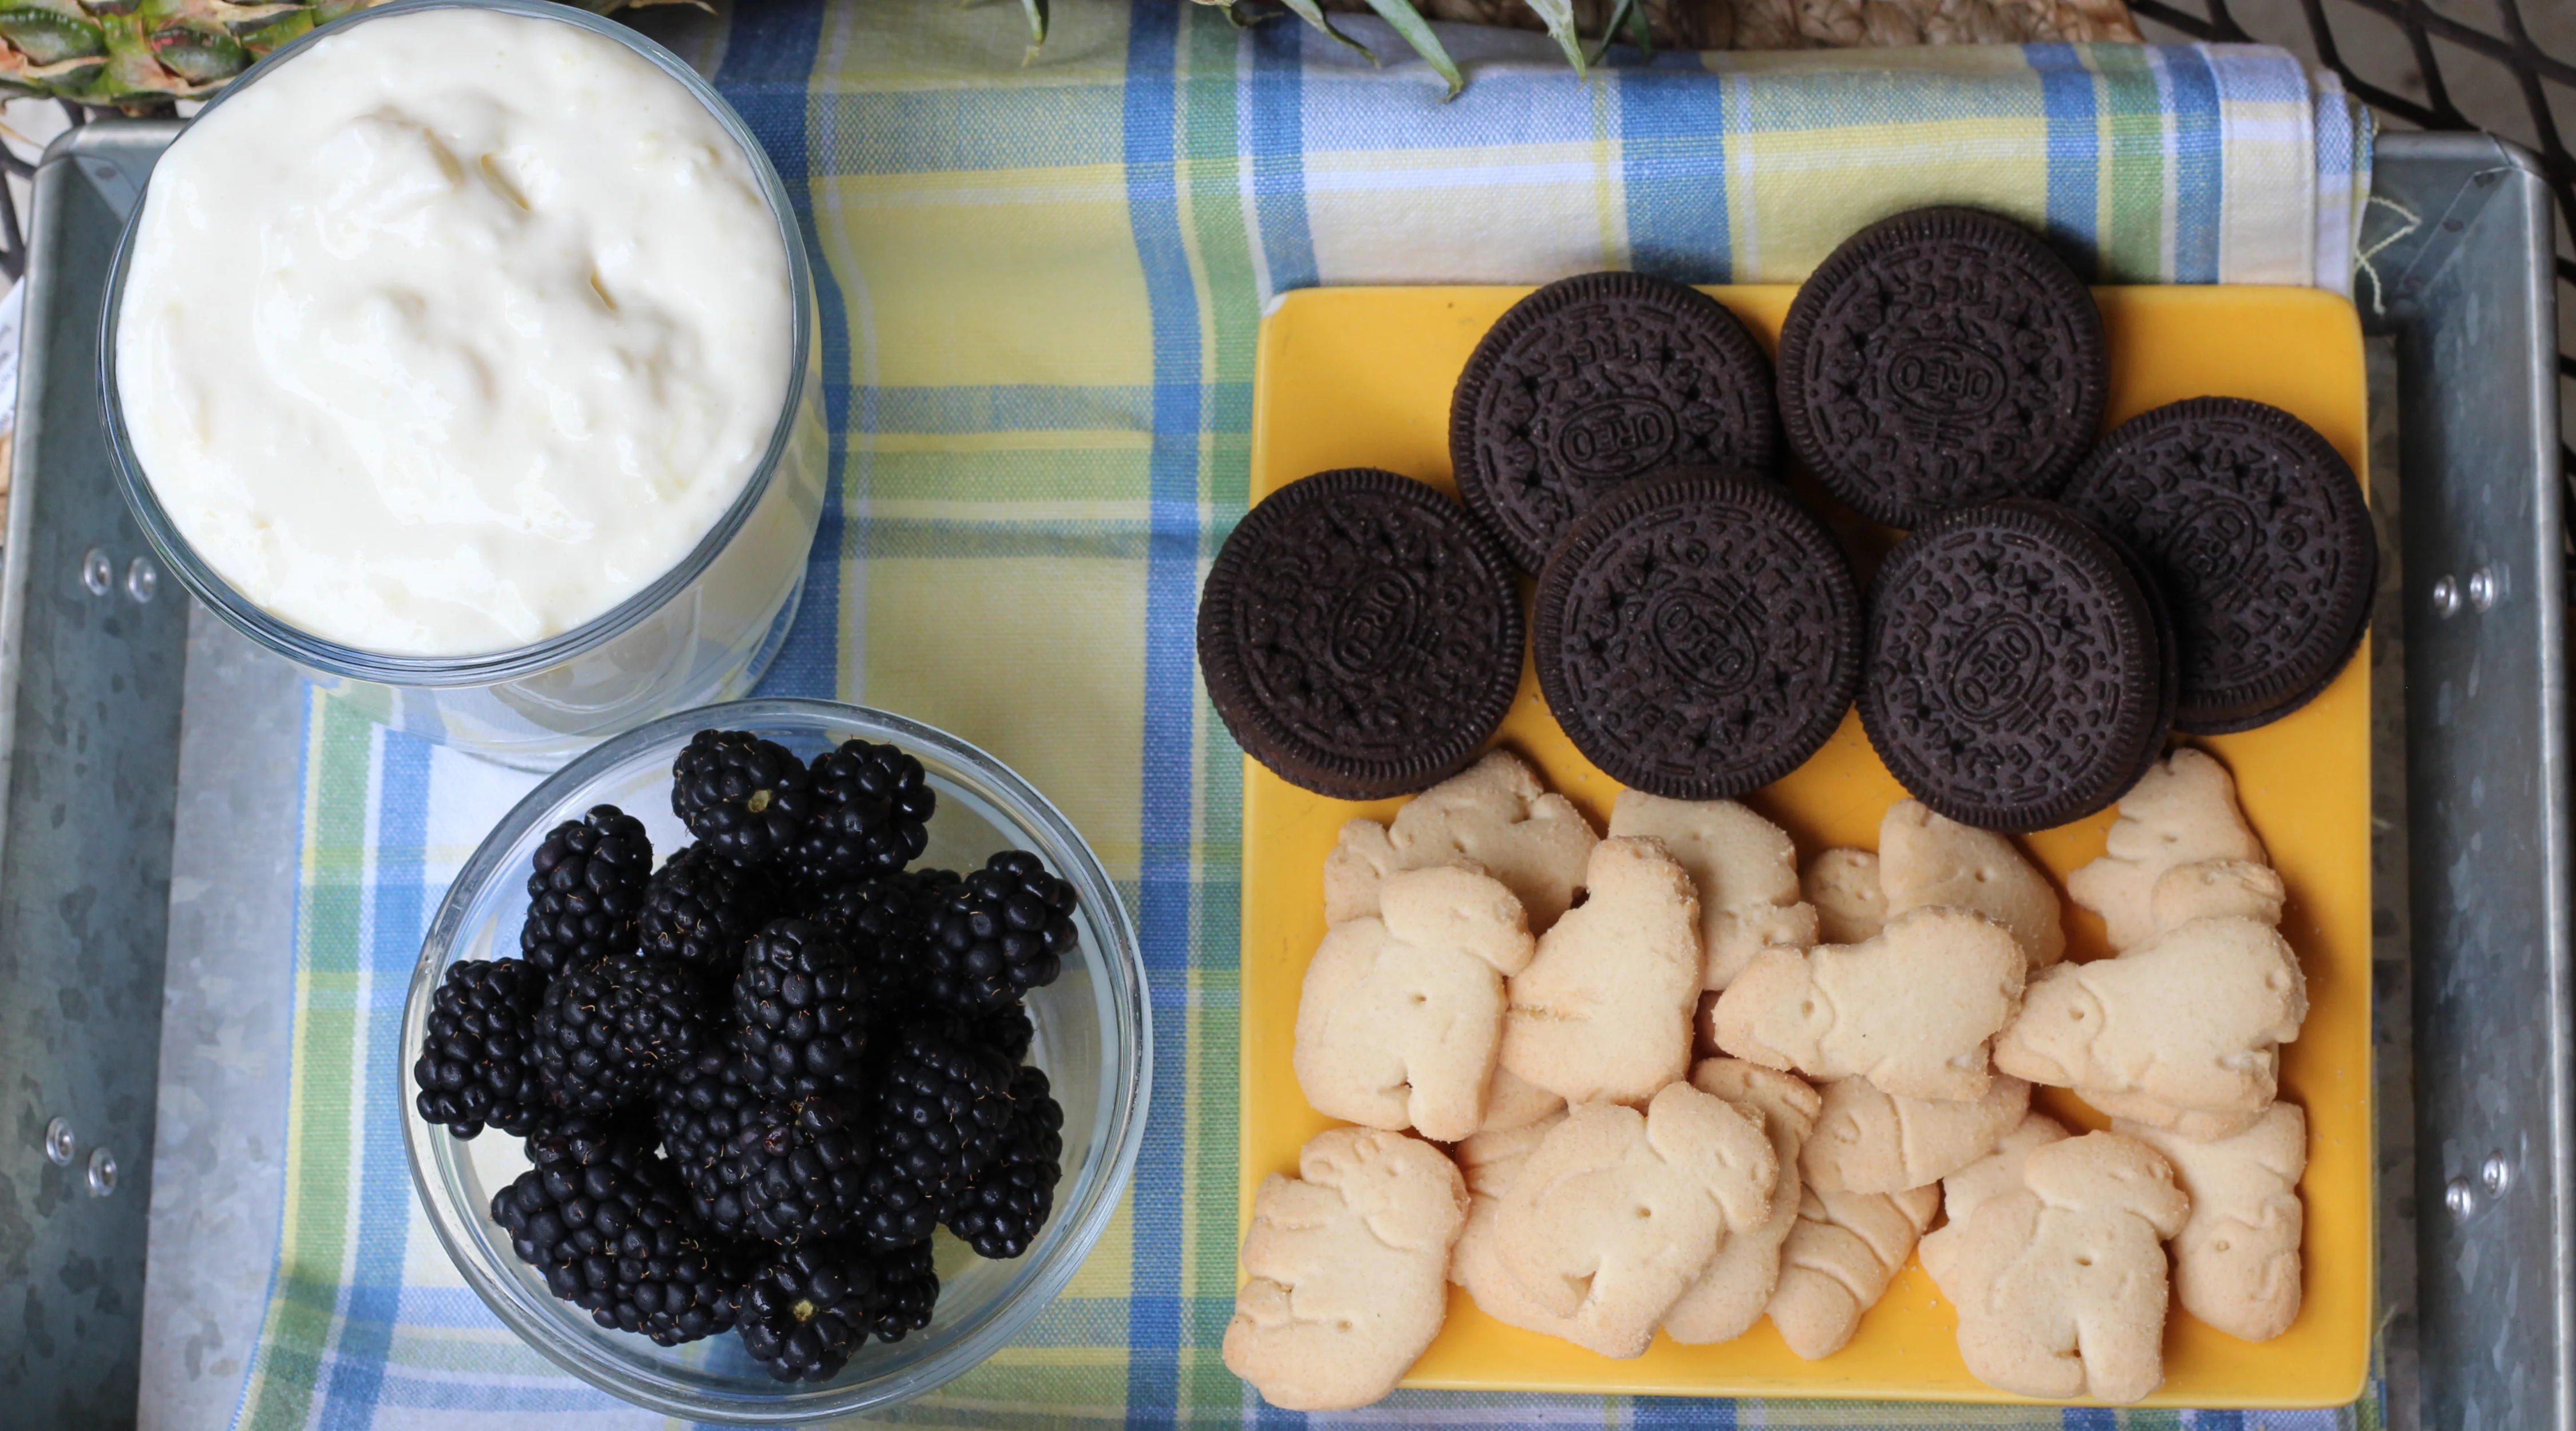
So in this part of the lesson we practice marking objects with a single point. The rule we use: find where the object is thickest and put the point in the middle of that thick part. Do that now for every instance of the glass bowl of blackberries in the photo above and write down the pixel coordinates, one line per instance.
(775, 1061)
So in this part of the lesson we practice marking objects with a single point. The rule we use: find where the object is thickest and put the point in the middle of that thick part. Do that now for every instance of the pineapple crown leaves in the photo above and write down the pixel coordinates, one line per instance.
(139, 53)
(1408, 24)
(1037, 13)
(1641, 30)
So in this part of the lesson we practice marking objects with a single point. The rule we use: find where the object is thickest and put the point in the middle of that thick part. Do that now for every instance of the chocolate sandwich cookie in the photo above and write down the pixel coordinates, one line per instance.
(1360, 634)
(2168, 642)
(1941, 359)
(2015, 677)
(2256, 528)
(1592, 381)
(1698, 634)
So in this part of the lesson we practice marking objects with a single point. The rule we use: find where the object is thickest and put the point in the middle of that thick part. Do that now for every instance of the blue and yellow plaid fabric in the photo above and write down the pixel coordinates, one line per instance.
(1039, 287)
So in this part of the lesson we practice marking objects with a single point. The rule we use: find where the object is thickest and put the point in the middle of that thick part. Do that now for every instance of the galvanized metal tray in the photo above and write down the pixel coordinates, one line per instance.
(91, 651)
(2467, 290)
(2479, 1255)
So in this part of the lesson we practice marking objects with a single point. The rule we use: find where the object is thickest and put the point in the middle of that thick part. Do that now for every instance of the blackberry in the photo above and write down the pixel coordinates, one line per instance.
(1004, 930)
(805, 1310)
(754, 1168)
(911, 1284)
(885, 923)
(701, 1105)
(605, 1034)
(798, 1172)
(699, 910)
(1007, 1031)
(803, 1006)
(473, 1067)
(871, 814)
(942, 1109)
(587, 888)
(1003, 1209)
(605, 1221)
(746, 798)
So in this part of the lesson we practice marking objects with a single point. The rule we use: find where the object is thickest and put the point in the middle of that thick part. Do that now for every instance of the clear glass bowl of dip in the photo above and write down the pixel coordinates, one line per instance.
(1094, 1041)
(704, 631)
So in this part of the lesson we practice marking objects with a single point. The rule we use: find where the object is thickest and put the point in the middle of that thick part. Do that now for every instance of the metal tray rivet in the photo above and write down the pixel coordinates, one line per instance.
(59, 1143)
(102, 1172)
(2482, 589)
(141, 579)
(2459, 1199)
(2446, 597)
(2497, 1175)
(97, 572)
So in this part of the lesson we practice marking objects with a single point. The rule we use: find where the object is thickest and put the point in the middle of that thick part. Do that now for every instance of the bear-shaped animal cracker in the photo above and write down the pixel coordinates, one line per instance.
(1347, 1270)
(1843, 886)
(1603, 1011)
(1743, 867)
(1993, 1175)
(2181, 1032)
(2236, 1264)
(1494, 813)
(1512, 1101)
(1402, 1012)
(2060, 1285)
(1912, 1010)
(1925, 859)
(1736, 1285)
(1839, 1259)
(1868, 1140)
(1490, 1162)
(1616, 1213)
(2182, 813)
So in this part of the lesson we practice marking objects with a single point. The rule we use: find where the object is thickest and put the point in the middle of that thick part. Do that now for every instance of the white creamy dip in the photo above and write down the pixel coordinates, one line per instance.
(452, 332)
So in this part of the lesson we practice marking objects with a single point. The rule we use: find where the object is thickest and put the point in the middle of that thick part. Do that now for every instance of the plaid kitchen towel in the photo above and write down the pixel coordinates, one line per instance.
(1039, 287)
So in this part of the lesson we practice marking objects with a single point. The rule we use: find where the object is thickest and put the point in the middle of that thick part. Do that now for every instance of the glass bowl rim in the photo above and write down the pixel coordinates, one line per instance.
(1126, 1052)
(494, 667)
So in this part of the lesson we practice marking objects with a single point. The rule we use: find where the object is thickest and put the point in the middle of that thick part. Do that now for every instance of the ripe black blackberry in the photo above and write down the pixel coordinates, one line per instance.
(1004, 1208)
(1004, 930)
(1007, 1031)
(804, 1310)
(943, 1106)
(910, 1281)
(699, 910)
(871, 814)
(604, 1219)
(586, 890)
(754, 1168)
(701, 1104)
(803, 1007)
(474, 1067)
(884, 921)
(800, 1171)
(746, 798)
(606, 1034)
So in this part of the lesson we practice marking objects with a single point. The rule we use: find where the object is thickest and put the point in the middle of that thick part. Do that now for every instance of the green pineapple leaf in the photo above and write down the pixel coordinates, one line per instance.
(199, 54)
(1037, 11)
(1406, 21)
(1312, 14)
(1559, 17)
(46, 37)
(1640, 32)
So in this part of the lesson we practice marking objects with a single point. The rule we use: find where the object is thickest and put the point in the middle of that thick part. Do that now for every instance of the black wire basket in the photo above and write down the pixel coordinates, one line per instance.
(2504, 66)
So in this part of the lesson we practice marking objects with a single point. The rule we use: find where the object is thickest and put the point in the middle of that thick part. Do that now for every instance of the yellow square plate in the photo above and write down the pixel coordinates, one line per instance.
(1360, 377)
